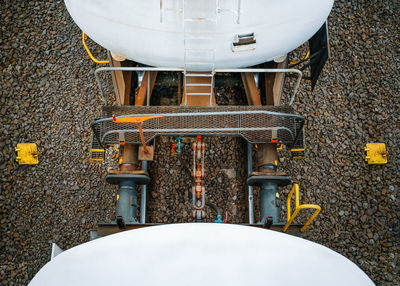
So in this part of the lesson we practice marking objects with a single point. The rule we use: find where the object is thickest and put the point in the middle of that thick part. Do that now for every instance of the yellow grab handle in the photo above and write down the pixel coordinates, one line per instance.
(290, 216)
(84, 37)
(306, 57)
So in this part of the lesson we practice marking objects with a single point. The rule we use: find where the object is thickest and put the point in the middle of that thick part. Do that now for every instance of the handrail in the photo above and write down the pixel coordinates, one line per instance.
(194, 131)
(213, 113)
(253, 70)
(84, 37)
(299, 207)
(298, 72)
(97, 71)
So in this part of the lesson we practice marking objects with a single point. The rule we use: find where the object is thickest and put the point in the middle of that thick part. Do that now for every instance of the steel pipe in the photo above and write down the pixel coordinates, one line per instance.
(143, 197)
(250, 188)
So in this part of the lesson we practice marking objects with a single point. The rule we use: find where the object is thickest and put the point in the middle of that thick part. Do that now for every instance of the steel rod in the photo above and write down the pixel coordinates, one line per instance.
(143, 197)
(250, 188)
(198, 130)
(148, 89)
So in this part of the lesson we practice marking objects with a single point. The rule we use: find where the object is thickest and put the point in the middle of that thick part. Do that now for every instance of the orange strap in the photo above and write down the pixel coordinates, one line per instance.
(134, 119)
(173, 149)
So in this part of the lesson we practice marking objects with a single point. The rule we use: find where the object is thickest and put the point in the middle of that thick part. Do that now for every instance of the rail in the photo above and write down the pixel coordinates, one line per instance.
(299, 207)
(97, 71)
(296, 71)
(247, 70)
(255, 125)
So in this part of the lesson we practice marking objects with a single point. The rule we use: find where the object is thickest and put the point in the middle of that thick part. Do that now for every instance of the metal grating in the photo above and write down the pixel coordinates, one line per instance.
(256, 124)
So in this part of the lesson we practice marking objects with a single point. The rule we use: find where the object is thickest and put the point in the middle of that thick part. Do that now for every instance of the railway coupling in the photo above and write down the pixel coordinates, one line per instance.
(135, 128)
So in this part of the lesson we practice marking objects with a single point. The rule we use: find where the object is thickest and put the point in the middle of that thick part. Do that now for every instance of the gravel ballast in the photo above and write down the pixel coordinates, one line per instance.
(48, 96)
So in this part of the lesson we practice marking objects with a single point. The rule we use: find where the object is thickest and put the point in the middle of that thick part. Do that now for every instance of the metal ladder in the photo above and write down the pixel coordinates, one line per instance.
(199, 58)
(199, 55)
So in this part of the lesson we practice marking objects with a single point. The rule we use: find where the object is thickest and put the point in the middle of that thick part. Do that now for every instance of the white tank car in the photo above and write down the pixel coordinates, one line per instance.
(196, 34)
(200, 254)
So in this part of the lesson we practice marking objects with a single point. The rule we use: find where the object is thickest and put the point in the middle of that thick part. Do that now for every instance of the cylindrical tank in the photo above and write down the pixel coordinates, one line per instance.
(182, 33)
(200, 254)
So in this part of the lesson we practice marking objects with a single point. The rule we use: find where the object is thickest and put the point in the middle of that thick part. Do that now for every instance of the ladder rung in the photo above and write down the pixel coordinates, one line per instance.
(198, 84)
(199, 75)
(195, 93)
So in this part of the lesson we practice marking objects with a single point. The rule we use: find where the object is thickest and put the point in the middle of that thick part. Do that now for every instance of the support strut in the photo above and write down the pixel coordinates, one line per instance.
(127, 178)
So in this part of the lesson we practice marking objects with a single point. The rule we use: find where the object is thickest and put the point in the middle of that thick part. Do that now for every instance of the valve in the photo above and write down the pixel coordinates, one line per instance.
(219, 219)
(177, 145)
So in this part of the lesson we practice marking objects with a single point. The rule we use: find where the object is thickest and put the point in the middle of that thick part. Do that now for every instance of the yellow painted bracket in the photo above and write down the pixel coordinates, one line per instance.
(376, 153)
(97, 154)
(84, 38)
(27, 154)
(298, 150)
(299, 207)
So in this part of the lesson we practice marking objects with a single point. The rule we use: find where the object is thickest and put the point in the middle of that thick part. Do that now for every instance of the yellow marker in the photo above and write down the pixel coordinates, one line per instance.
(95, 152)
(27, 154)
(276, 163)
(117, 197)
(376, 153)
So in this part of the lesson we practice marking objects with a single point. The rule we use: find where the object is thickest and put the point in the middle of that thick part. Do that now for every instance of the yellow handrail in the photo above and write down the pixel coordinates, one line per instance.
(84, 38)
(299, 207)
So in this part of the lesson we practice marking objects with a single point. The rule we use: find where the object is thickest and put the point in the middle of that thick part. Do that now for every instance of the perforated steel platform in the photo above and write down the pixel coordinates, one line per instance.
(256, 124)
